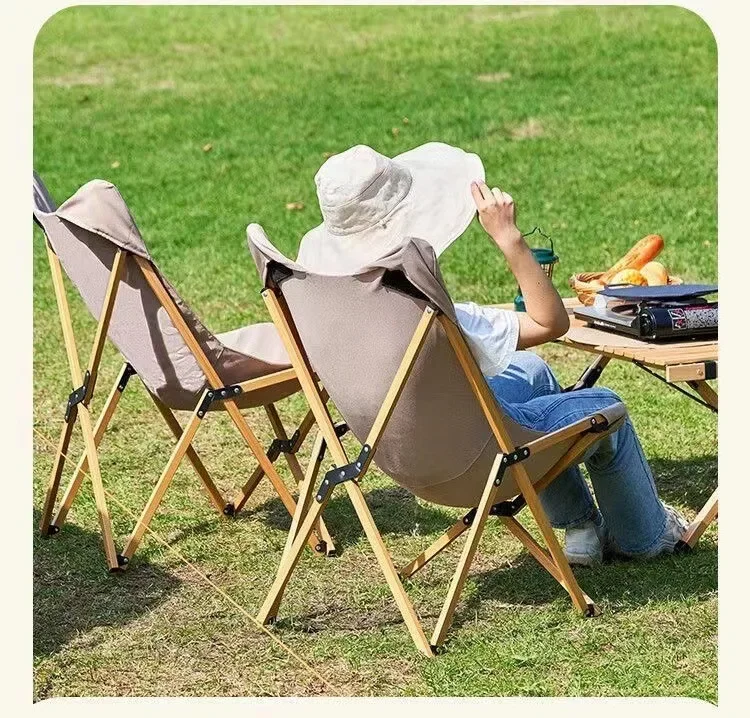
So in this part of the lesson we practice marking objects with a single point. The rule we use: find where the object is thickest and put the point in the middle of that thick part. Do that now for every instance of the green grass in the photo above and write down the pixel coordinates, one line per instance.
(600, 122)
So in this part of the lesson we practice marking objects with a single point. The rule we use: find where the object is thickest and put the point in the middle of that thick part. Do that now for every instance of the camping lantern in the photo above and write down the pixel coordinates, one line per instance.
(546, 258)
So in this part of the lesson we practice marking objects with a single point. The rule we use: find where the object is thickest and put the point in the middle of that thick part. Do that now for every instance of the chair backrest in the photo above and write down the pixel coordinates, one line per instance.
(355, 330)
(85, 232)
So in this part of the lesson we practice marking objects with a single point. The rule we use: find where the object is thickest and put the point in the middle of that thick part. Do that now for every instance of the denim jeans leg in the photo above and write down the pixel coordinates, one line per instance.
(621, 477)
(526, 377)
(567, 501)
(626, 493)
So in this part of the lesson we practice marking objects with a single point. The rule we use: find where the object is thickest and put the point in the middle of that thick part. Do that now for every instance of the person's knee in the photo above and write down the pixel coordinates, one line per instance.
(603, 459)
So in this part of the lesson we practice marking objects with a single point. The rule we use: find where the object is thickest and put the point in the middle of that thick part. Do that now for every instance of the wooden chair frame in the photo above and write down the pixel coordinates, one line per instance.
(509, 459)
(79, 408)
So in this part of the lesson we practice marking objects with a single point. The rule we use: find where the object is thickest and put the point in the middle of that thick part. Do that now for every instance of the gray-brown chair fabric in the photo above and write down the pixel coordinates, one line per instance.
(85, 232)
(355, 331)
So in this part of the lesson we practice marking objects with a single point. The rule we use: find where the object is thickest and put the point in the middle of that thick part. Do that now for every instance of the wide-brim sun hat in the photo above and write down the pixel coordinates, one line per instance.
(370, 203)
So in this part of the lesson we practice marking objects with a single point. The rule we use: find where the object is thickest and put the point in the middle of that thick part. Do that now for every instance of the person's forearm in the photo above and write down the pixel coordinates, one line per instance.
(545, 317)
(543, 303)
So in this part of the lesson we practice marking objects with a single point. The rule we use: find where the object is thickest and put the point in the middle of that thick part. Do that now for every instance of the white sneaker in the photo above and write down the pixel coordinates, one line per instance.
(583, 545)
(674, 530)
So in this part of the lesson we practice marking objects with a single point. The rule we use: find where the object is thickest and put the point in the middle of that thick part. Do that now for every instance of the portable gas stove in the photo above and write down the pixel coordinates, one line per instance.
(655, 313)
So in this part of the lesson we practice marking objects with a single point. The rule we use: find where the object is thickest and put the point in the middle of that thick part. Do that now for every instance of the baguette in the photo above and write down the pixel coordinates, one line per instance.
(640, 255)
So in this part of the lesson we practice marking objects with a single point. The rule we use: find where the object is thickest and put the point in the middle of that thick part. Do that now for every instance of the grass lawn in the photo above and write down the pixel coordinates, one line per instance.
(601, 122)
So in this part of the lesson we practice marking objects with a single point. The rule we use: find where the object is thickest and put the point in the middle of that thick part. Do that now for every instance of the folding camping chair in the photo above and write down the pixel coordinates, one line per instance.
(93, 237)
(400, 373)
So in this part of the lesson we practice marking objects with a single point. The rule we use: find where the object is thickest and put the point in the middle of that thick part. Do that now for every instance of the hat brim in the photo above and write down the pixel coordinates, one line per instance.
(438, 209)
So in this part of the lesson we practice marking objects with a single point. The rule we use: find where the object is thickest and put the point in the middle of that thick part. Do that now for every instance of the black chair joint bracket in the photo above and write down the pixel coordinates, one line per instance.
(338, 475)
(226, 392)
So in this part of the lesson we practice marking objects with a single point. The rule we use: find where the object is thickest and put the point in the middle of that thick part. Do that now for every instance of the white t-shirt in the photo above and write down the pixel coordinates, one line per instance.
(492, 335)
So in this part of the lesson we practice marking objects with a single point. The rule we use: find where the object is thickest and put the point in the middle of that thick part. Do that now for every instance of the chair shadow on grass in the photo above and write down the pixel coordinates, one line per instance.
(618, 584)
(74, 592)
(687, 482)
(395, 510)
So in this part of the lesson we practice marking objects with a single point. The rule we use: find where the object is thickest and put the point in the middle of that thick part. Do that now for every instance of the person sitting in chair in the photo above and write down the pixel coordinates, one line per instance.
(370, 204)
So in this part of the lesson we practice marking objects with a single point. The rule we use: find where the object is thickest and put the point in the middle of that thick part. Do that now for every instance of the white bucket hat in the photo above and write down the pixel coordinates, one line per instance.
(370, 203)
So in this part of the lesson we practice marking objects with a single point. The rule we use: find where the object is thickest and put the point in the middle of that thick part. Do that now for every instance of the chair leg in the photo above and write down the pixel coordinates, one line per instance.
(294, 466)
(306, 488)
(96, 482)
(247, 490)
(581, 602)
(192, 455)
(161, 487)
(102, 423)
(289, 561)
(54, 482)
(265, 463)
(702, 521)
(467, 556)
(271, 608)
(537, 551)
(389, 570)
(434, 549)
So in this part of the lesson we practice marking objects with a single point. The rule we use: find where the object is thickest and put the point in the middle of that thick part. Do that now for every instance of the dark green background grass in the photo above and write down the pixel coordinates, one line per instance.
(601, 122)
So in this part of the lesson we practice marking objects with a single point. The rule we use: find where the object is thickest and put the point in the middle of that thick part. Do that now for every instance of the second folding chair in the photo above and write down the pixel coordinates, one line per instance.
(93, 238)
(386, 346)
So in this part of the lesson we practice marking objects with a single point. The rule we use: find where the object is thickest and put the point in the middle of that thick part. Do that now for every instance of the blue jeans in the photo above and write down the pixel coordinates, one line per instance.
(623, 484)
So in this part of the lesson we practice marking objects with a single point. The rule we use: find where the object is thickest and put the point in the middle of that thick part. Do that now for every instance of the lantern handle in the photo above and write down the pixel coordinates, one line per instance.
(537, 230)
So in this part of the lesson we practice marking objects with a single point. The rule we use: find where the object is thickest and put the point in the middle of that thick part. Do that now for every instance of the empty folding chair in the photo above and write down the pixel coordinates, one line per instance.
(386, 346)
(93, 238)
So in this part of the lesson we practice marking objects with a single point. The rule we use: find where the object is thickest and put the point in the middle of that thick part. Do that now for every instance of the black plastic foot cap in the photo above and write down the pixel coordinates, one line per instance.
(229, 510)
(682, 547)
(591, 611)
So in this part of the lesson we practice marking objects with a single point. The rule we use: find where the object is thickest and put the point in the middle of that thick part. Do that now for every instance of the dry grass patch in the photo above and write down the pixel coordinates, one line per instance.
(93, 77)
(528, 130)
(494, 77)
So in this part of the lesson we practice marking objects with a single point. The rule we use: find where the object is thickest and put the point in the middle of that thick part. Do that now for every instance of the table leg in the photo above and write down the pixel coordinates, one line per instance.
(710, 511)
(702, 521)
(706, 392)
(590, 375)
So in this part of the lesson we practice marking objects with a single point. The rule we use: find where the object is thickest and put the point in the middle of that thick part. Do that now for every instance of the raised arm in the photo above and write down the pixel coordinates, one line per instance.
(545, 318)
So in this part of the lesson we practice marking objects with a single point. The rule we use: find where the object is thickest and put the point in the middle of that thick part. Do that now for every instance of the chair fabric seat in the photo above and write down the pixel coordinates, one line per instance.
(265, 353)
